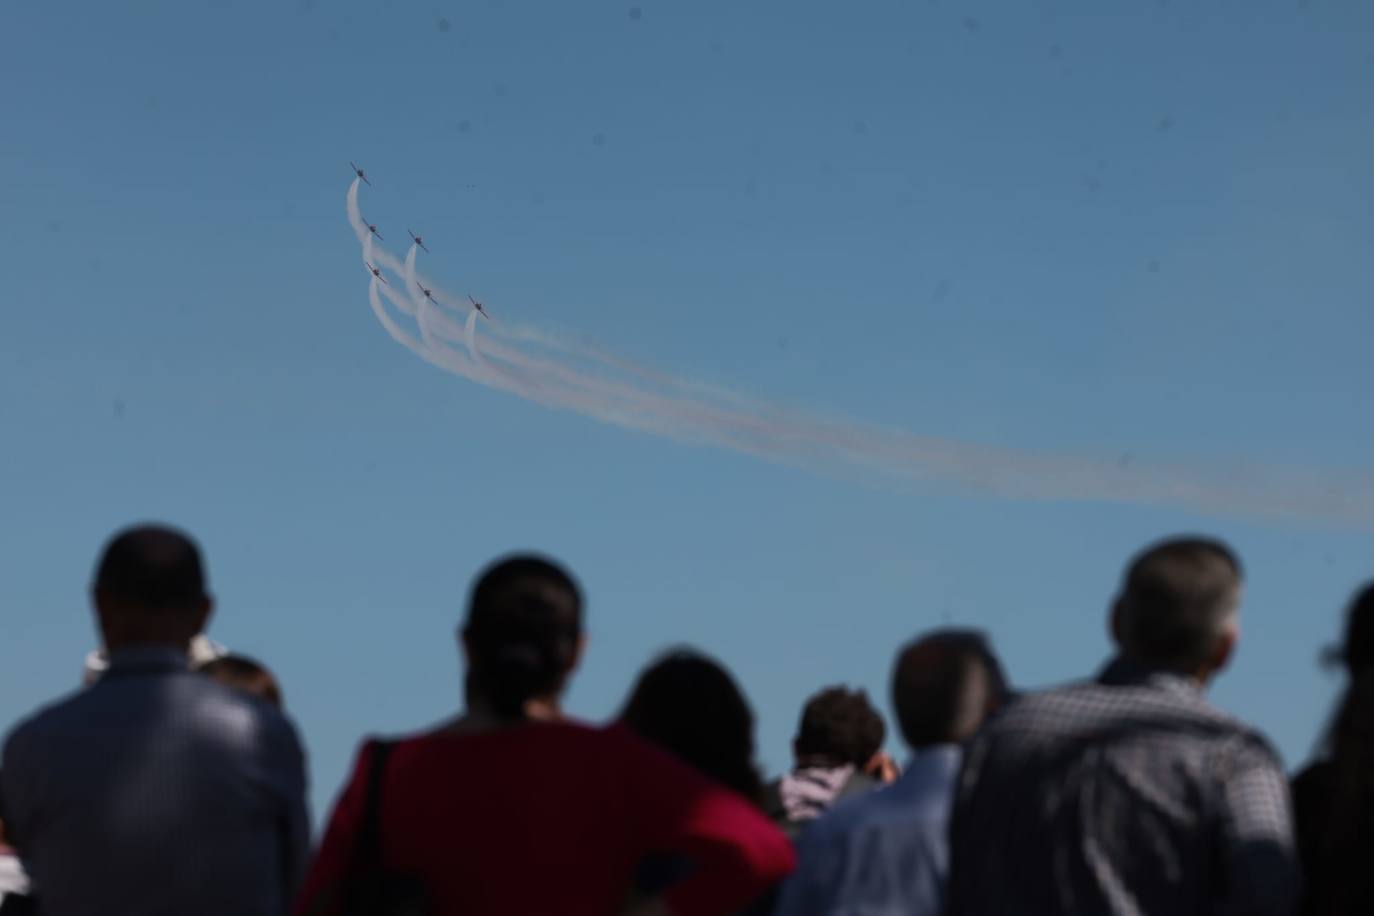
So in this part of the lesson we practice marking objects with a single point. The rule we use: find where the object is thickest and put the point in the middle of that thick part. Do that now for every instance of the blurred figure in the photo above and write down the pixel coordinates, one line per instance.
(1131, 794)
(885, 853)
(512, 808)
(243, 673)
(1334, 796)
(837, 753)
(14, 884)
(154, 791)
(690, 706)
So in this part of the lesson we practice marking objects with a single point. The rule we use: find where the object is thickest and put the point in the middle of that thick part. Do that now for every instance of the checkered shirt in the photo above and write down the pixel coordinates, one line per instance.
(1129, 795)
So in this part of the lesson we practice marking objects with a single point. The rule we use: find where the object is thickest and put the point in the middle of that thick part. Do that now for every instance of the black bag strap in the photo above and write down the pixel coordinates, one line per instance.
(367, 852)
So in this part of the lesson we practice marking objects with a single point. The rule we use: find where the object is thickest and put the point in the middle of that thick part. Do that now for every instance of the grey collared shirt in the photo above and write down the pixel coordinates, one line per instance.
(1129, 795)
(883, 853)
(159, 792)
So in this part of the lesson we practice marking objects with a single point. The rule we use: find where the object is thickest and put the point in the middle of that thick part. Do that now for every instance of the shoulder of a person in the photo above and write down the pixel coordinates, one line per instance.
(1028, 706)
(48, 717)
(1245, 746)
(623, 748)
(566, 733)
(230, 712)
(616, 736)
(1228, 731)
(1312, 785)
(1316, 774)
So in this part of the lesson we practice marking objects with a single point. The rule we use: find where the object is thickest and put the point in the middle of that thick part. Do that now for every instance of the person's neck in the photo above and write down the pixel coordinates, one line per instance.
(1200, 678)
(481, 716)
(115, 644)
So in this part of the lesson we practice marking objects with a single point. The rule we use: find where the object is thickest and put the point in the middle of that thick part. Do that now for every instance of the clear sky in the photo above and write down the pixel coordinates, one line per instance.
(1138, 229)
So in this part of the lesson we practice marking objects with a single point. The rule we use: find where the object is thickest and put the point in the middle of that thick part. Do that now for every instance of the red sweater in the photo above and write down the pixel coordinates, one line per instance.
(552, 819)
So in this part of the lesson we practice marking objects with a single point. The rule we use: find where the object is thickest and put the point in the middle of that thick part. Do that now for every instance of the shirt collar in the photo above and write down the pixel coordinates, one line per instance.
(945, 756)
(932, 753)
(1123, 672)
(148, 658)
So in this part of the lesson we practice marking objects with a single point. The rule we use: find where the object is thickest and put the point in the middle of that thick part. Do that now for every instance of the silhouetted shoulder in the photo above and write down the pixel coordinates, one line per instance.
(47, 717)
(1097, 711)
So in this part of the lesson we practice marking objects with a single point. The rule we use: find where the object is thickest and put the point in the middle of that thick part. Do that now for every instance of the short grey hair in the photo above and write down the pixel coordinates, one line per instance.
(1176, 600)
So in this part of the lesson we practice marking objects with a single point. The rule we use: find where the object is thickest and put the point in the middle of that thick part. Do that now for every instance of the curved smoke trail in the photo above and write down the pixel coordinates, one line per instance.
(563, 374)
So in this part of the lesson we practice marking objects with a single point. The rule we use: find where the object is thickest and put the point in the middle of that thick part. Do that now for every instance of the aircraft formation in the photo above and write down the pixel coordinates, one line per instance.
(419, 242)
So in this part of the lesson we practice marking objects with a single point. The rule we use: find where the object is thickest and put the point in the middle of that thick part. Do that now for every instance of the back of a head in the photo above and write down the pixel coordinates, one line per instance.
(689, 705)
(944, 685)
(522, 632)
(1176, 602)
(839, 727)
(1357, 652)
(243, 673)
(151, 568)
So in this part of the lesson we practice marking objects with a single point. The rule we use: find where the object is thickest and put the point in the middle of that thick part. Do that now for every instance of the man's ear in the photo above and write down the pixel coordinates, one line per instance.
(1115, 623)
(107, 619)
(579, 651)
(204, 612)
(1223, 652)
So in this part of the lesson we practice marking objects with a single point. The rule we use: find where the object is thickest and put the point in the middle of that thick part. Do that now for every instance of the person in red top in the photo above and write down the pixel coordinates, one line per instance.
(513, 809)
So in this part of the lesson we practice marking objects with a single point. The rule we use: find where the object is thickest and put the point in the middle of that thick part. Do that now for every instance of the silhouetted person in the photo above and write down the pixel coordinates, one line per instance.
(511, 808)
(1334, 796)
(156, 791)
(690, 706)
(887, 852)
(1130, 793)
(837, 754)
(243, 673)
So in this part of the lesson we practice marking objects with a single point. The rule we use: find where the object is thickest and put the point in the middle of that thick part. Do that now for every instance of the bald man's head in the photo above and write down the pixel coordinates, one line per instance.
(944, 685)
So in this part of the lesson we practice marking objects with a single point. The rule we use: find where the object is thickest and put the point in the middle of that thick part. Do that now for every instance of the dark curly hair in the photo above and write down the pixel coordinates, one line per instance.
(838, 727)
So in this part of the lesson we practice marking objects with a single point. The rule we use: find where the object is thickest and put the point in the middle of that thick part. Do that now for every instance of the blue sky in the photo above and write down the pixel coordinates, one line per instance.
(1130, 229)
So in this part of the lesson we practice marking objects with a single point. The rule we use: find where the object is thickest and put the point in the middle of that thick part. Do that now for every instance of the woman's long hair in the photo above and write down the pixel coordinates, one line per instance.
(1349, 747)
(689, 705)
(1350, 815)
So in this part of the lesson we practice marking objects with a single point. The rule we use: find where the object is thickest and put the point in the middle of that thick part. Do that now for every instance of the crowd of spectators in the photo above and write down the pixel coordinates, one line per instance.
(173, 781)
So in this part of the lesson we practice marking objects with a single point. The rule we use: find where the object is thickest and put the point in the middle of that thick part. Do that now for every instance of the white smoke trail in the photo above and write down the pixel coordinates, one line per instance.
(564, 374)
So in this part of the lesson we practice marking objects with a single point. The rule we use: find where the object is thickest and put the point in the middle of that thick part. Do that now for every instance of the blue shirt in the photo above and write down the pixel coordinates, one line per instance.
(884, 852)
(159, 792)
